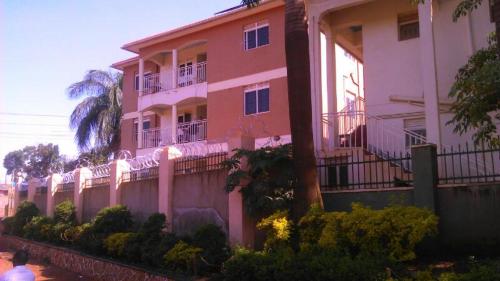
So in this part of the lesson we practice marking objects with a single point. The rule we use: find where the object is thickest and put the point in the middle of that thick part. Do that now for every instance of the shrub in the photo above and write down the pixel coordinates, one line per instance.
(278, 229)
(60, 231)
(65, 212)
(24, 213)
(8, 225)
(212, 240)
(183, 257)
(392, 232)
(116, 243)
(86, 239)
(246, 265)
(112, 219)
(39, 228)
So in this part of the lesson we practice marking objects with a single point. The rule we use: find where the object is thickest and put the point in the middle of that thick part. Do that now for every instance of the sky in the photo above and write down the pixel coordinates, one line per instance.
(45, 46)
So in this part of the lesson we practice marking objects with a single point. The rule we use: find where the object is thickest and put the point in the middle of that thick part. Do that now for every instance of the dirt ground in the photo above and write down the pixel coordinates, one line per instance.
(42, 270)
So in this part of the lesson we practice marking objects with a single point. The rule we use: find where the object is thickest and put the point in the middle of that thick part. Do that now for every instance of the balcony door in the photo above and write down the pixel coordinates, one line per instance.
(185, 73)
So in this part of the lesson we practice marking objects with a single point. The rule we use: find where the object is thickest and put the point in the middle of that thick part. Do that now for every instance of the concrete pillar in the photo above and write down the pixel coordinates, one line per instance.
(141, 76)
(174, 123)
(241, 226)
(81, 175)
(166, 187)
(429, 73)
(16, 188)
(52, 182)
(425, 175)
(115, 180)
(331, 84)
(165, 131)
(174, 68)
(315, 69)
(32, 185)
(140, 130)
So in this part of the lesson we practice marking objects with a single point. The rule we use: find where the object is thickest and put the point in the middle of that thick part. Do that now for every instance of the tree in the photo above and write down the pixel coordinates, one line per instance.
(97, 118)
(476, 94)
(250, 3)
(34, 161)
(299, 98)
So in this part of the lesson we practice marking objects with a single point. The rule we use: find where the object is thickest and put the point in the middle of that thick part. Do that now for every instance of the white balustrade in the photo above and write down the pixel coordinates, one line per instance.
(156, 137)
(192, 131)
(186, 76)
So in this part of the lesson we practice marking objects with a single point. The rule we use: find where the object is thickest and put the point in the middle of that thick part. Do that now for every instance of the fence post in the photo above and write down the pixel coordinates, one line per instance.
(81, 175)
(166, 187)
(425, 175)
(32, 185)
(241, 226)
(115, 181)
(16, 196)
(52, 182)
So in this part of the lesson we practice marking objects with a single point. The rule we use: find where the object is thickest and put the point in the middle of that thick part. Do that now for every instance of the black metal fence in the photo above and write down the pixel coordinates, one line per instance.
(468, 164)
(198, 164)
(95, 182)
(144, 174)
(358, 170)
(70, 186)
(41, 190)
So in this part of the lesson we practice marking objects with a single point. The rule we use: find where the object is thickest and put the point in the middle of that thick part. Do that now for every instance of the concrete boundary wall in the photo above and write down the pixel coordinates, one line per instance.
(79, 263)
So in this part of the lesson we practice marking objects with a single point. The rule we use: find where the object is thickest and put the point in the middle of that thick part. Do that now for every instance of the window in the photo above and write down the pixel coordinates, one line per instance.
(415, 129)
(408, 27)
(257, 99)
(256, 35)
(136, 80)
(146, 124)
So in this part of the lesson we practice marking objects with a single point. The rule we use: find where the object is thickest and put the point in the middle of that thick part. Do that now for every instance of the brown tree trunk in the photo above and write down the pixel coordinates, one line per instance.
(299, 98)
(496, 19)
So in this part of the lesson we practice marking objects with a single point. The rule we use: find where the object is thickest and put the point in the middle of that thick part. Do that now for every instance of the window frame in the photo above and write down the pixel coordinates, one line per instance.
(256, 26)
(255, 88)
(407, 19)
(136, 79)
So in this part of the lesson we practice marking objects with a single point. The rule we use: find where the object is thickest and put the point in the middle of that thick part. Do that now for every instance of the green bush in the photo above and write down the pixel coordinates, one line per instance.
(112, 219)
(8, 225)
(39, 228)
(149, 242)
(117, 242)
(65, 212)
(212, 240)
(278, 228)
(477, 273)
(246, 265)
(392, 232)
(183, 257)
(24, 213)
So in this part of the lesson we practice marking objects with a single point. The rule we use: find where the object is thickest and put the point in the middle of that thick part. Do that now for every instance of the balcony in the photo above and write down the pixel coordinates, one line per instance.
(160, 89)
(185, 133)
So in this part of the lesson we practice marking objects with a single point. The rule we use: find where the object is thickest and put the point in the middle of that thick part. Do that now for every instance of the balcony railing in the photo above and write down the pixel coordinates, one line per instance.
(186, 132)
(192, 74)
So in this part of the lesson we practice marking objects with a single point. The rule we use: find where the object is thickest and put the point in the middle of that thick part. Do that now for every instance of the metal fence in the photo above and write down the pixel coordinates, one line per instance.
(198, 164)
(70, 186)
(95, 182)
(143, 174)
(358, 170)
(468, 164)
(41, 190)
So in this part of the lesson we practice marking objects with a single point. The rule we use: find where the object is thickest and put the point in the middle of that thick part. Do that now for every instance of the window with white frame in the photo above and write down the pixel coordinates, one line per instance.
(256, 35)
(408, 26)
(136, 80)
(256, 99)
(415, 131)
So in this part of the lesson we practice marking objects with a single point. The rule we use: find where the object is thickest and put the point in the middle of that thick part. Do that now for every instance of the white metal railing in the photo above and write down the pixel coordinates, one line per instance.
(356, 129)
(156, 137)
(191, 74)
(152, 84)
(192, 131)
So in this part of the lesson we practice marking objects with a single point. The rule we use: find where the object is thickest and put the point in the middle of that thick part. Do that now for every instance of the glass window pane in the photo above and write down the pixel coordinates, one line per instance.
(146, 125)
(137, 83)
(250, 103)
(264, 100)
(263, 35)
(251, 39)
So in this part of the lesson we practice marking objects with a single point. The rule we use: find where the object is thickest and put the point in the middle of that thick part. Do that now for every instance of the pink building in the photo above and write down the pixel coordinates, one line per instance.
(207, 81)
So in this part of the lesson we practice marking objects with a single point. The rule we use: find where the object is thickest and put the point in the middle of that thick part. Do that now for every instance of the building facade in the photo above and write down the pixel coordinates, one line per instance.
(410, 55)
(207, 81)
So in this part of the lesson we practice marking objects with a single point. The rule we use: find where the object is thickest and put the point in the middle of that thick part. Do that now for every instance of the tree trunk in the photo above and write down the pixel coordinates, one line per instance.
(299, 98)
(496, 19)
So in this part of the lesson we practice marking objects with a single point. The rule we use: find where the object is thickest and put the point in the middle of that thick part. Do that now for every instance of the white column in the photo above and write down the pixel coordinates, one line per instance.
(164, 129)
(174, 68)
(174, 123)
(429, 73)
(166, 187)
(141, 76)
(139, 130)
(315, 68)
(331, 84)
(81, 175)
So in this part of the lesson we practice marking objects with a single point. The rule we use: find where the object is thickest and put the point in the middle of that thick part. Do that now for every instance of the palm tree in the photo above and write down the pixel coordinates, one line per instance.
(97, 118)
(299, 98)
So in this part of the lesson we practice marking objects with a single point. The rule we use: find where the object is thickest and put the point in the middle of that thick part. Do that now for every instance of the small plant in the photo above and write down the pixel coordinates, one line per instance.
(65, 212)
(112, 219)
(39, 228)
(116, 243)
(212, 240)
(183, 257)
(278, 228)
(24, 213)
